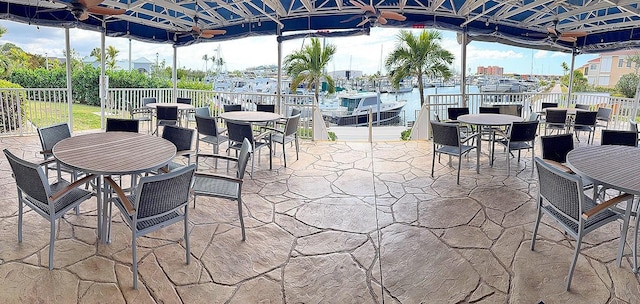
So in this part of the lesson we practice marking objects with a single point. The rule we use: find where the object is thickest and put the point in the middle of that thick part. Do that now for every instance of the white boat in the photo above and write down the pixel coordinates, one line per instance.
(352, 109)
(503, 85)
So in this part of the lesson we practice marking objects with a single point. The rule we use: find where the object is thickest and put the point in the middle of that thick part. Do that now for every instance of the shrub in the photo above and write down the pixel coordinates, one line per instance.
(332, 136)
(406, 134)
(9, 111)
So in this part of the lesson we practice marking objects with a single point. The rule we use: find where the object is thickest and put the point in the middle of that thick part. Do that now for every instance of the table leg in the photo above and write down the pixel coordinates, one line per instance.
(99, 206)
(493, 140)
(105, 214)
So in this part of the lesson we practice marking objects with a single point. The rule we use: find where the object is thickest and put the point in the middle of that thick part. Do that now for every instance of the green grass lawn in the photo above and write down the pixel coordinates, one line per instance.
(45, 113)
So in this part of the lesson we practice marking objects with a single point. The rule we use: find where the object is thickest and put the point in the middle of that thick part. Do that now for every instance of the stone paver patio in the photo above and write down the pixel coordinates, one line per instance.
(347, 223)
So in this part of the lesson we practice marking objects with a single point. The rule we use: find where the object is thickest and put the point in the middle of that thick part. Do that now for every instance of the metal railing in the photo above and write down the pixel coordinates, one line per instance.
(22, 111)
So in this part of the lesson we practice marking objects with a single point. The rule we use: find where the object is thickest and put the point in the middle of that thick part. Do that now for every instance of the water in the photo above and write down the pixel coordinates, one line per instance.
(412, 108)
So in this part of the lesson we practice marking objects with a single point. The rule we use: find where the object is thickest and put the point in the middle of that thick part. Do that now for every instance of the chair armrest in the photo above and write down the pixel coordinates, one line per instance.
(184, 152)
(46, 152)
(123, 197)
(218, 176)
(219, 156)
(271, 129)
(559, 166)
(262, 135)
(469, 137)
(222, 131)
(606, 204)
(71, 186)
(46, 161)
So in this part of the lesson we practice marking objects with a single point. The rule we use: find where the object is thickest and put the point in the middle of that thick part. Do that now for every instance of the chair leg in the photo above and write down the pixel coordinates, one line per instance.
(284, 154)
(459, 166)
(244, 237)
(52, 240)
(135, 261)
(297, 147)
(186, 232)
(535, 228)
(623, 232)
(20, 217)
(575, 259)
(635, 239)
(433, 161)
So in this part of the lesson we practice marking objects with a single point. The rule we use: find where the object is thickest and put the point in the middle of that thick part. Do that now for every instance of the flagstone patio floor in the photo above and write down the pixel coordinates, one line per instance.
(346, 223)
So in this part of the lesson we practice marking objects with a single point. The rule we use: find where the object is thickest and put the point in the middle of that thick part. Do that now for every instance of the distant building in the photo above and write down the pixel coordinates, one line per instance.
(346, 74)
(608, 68)
(143, 65)
(490, 70)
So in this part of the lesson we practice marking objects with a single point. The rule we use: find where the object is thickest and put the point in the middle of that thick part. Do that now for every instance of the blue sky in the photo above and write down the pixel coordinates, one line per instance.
(363, 53)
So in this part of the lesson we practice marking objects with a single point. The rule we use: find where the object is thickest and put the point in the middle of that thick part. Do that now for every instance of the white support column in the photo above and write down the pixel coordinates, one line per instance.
(463, 75)
(103, 80)
(573, 61)
(174, 74)
(67, 45)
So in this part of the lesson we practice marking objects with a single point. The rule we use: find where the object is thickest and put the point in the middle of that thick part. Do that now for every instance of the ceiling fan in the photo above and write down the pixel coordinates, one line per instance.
(196, 32)
(82, 8)
(373, 15)
(555, 35)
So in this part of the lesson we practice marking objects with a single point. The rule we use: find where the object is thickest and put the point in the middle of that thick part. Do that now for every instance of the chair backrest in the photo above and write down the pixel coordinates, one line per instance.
(238, 131)
(266, 108)
(585, 118)
(167, 113)
(147, 100)
(243, 158)
(545, 105)
(292, 125)
(562, 190)
(533, 116)
(295, 111)
(158, 194)
(184, 100)
(556, 147)
(633, 126)
(180, 137)
(453, 113)
(122, 125)
(619, 137)
(51, 135)
(582, 106)
(202, 111)
(489, 110)
(523, 131)
(445, 134)
(604, 113)
(206, 125)
(30, 179)
(232, 107)
(556, 116)
(515, 110)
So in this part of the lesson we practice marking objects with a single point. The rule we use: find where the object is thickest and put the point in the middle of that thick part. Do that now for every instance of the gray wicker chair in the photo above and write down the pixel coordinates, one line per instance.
(446, 140)
(583, 106)
(142, 114)
(156, 203)
(202, 111)
(585, 121)
(520, 136)
(51, 201)
(619, 137)
(604, 117)
(222, 186)
(555, 120)
(560, 196)
(208, 132)
(182, 138)
(286, 135)
(232, 107)
(238, 131)
(49, 137)
(122, 125)
(166, 116)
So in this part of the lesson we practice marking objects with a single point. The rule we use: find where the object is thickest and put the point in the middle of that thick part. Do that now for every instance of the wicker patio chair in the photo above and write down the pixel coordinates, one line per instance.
(223, 186)
(520, 136)
(555, 120)
(604, 117)
(446, 140)
(238, 131)
(157, 202)
(166, 116)
(585, 121)
(232, 107)
(182, 138)
(582, 106)
(50, 200)
(49, 137)
(286, 135)
(560, 196)
(208, 132)
(619, 137)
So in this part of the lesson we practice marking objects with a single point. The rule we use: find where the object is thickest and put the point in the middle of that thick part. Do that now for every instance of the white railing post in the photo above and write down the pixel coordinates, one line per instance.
(370, 115)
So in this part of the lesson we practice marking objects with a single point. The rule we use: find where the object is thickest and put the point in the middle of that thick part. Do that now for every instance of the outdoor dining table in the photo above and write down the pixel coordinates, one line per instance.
(491, 121)
(183, 108)
(113, 153)
(611, 166)
(250, 116)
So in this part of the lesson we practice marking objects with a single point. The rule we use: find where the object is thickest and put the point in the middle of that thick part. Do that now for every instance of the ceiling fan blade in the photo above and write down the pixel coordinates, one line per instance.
(351, 18)
(84, 16)
(362, 6)
(90, 3)
(568, 39)
(382, 20)
(206, 36)
(106, 10)
(392, 15)
(573, 34)
(363, 22)
(552, 31)
(213, 32)
(195, 28)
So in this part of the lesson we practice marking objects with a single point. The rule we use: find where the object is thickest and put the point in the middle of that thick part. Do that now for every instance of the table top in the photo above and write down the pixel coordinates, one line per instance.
(250, 116)
(613, 166)
(114, 152)
(487, 119)
(181, 106)
(570, 111)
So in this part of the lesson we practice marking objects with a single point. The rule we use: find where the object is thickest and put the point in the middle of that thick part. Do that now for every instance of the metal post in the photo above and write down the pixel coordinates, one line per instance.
(279, 89)
(370, 114)
(174, 75)
(573, 61)
(464, 67)
(103, 91)
(67, 45)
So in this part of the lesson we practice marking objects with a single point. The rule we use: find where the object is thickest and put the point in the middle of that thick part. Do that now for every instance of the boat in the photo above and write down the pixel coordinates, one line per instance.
(503, 85)
(352, 109)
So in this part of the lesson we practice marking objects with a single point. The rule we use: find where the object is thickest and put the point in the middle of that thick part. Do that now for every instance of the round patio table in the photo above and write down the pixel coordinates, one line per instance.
(110, 153)
(489, 120)
(250, 116)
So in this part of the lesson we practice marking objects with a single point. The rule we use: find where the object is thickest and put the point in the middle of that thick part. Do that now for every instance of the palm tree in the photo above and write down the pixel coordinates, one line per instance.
(206, 61)
(417, 56)
(96, 54)
(111, 55)
(565, 67)
(308, 66)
